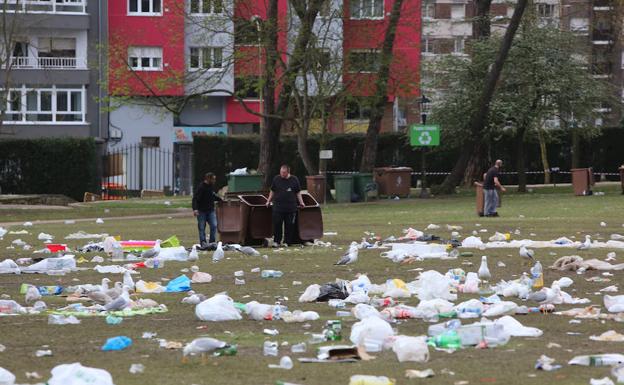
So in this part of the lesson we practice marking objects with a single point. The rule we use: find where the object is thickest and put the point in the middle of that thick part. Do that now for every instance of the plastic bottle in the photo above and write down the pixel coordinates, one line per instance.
(270, 348)
(317, 339)
(227, 351)
(277, 311)
(118, 252)
(448, 340)
(271, 274)
(154, 263)
(537, 274)
(342, 313)
(299, 348)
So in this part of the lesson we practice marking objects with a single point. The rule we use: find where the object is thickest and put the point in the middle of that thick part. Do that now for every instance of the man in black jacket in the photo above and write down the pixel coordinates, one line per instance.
(286, 197)
(204, 208)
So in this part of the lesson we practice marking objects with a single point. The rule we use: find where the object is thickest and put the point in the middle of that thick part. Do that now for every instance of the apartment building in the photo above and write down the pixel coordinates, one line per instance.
(53, 69)
(447, 26)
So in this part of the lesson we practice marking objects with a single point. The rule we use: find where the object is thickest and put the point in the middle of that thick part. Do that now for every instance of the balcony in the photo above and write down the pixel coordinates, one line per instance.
(52, 63)
(46, 6)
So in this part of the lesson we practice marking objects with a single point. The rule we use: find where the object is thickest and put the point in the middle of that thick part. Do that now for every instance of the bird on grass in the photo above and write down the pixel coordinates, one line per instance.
(194, 255)
(127, 280)
(527, 254)
(202, 346)
(153, 252)
(585, 245)
(350, 256)
(484, 271)
(121, 302)
(115, 291)
(218, 254)
(248, 250)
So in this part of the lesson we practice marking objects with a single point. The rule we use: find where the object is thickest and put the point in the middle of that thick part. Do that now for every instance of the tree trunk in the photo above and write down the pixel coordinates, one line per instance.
(576, 149)
(520, 161)
(378, 108)
(475, 166)
(544, 155)
(302, 147)
(478, 119)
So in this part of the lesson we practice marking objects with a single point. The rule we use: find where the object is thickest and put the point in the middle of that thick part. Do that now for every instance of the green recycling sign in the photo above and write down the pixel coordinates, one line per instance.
(424, 135)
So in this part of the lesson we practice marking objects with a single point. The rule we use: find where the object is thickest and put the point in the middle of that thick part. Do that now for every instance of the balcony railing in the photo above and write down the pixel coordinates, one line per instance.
(46, 6)
(58, 63)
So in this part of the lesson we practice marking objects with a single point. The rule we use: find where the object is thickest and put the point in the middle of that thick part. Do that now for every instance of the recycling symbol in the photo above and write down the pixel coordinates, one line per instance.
(425, 138)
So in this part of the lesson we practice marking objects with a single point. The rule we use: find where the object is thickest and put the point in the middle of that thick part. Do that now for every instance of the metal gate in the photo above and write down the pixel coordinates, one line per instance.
(129, 171)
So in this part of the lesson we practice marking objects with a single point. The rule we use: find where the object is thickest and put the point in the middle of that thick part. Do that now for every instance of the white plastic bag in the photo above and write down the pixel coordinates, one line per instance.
(258, 311)
(300, 316)
(6, 377)
(76, 374)
(361, 311)
(504, 307)
(362, 283)
(433, 285)
(515, 329)
(615, 303)
(471, 285)
(311, 293)
(472, 242)
(357, 297)
(201, 277)
(371, 332)
(411, 348)
(148, 287)
(219, 307)
(473, 308)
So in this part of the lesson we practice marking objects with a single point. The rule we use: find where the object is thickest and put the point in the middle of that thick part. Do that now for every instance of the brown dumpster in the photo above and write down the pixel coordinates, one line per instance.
(259, 220)
(480, 199)
(316, 187)
(232, 221)
(310, 219)
(393, 181)
(622, 177)
(582, 180)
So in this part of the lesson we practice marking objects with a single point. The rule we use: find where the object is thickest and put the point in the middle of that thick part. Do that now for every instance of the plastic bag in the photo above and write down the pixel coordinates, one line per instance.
(300, 316)
(179, 284)
(357, 297)
(471, 285)
(220, 307)
(472, 308)
(148, 287)
(370, 331)
(116, 343)
(504, 307)
(258, 311)
(173, 254)
(6, 377)
(434, 285)
(515, 329)
(614, 304)
(362, 311)
(329, 291)
(370, 380)
(362, 283)
(472, 242)
(200, 277)
(311, 293)
(411, 348)
(76, 374)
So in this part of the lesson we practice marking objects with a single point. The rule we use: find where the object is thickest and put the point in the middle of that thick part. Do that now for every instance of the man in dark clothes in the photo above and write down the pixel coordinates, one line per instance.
(204, 208)
(285, 195)
(490, 184)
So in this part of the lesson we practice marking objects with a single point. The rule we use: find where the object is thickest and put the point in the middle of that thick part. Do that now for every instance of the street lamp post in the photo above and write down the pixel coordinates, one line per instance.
(425, 104)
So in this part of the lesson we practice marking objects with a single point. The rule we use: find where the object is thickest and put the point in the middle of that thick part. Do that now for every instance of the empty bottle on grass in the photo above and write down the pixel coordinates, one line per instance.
(271, 274)
(270, 348)
(448, 340)
(537, 273)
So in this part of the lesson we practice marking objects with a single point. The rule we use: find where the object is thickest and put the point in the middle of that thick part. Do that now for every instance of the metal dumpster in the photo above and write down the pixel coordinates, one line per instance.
(393, 181)
(309, 219)
(259, 218)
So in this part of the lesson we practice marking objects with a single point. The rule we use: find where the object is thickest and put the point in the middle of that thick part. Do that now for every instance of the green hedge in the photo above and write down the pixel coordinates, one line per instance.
(224, 154)
(48, 166)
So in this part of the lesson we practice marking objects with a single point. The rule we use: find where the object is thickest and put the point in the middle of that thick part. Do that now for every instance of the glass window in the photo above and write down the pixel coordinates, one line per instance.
(46, 100)
(61, 101)
(364, 61)
(31, 101)
(145, 6)
(367, 9)
(217, 61)
(194, 58)
(195, 6)
(145, 58)
(133, 6)
(39, 106)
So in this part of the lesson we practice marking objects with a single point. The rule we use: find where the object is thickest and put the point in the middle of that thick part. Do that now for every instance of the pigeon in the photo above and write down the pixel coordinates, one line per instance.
(153, 252)
(248, 250)
(127, 280)
(526, 253)
(218, 254)
(32, 294)
(194, 255)
(585, 245)
(350, 257)
(202, 346)
(484, 272)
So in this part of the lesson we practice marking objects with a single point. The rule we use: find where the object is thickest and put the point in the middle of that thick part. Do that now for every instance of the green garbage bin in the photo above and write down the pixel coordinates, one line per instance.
(244, 183)
(363, 184)
(344, 188)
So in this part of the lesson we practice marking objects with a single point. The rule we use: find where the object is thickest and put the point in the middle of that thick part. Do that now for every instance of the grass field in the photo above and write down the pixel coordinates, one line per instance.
(547, 213)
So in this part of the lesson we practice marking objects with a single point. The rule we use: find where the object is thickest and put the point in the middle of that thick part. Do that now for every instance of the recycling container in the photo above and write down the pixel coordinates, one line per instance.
(244, 183)
(232, 218)
(582, 180)
(363, 185)
(259, 218)
(309, 219)
(343, 184)
(316, 185)
(393, 181)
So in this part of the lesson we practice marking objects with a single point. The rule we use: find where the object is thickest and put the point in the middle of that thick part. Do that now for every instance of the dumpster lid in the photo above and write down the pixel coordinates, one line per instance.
(253, 199)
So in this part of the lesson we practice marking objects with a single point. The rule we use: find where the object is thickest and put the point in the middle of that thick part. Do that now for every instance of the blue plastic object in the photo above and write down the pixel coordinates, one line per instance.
(181, 283)
(117, 343)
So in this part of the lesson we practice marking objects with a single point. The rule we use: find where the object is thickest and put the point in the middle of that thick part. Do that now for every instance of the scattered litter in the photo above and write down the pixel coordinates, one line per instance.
(546, 363)
(285, 363)
(413, 373)
(137, 368)
(76, 374)
(116, 343)
(99, 221)
(43, 353)
(611, 336)
(601, 381)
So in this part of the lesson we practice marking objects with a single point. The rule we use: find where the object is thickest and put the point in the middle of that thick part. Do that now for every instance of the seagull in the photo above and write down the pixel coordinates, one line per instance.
(104, 285)
(553, 295)
(202, 346)
(484, 272)
(585, 245)
(99, 297)
(218, 254)
(122, 302)
(248, 250)
(115, 292)
(350, 257)
(526, 253)
(153, 252)
(32, 294)
(127, 280)
(193, 298)
(193, 255)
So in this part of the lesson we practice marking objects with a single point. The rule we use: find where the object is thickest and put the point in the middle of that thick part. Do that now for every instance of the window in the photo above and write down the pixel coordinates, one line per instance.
(458, 11)
(426, 46)
(247, 87)
(428, 10)
(45, 105)
(206, 57)
(459, 45)
(358, 108)
(246, 31)
(364, 61)
(367, 9)
(150, 141)
(56, 47)
(145, 58)
(579, 24)
(204, 7)
(546, 10)
(145, 7)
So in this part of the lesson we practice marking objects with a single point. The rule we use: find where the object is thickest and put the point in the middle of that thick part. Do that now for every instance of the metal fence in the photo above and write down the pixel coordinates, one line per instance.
(131, 170)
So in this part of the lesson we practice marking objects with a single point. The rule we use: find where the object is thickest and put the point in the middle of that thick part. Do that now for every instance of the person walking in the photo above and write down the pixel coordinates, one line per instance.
(490, 184)
(204, 209)
(285, 195)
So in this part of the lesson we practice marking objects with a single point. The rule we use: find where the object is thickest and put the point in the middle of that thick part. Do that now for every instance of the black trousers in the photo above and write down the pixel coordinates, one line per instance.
(287, 221)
